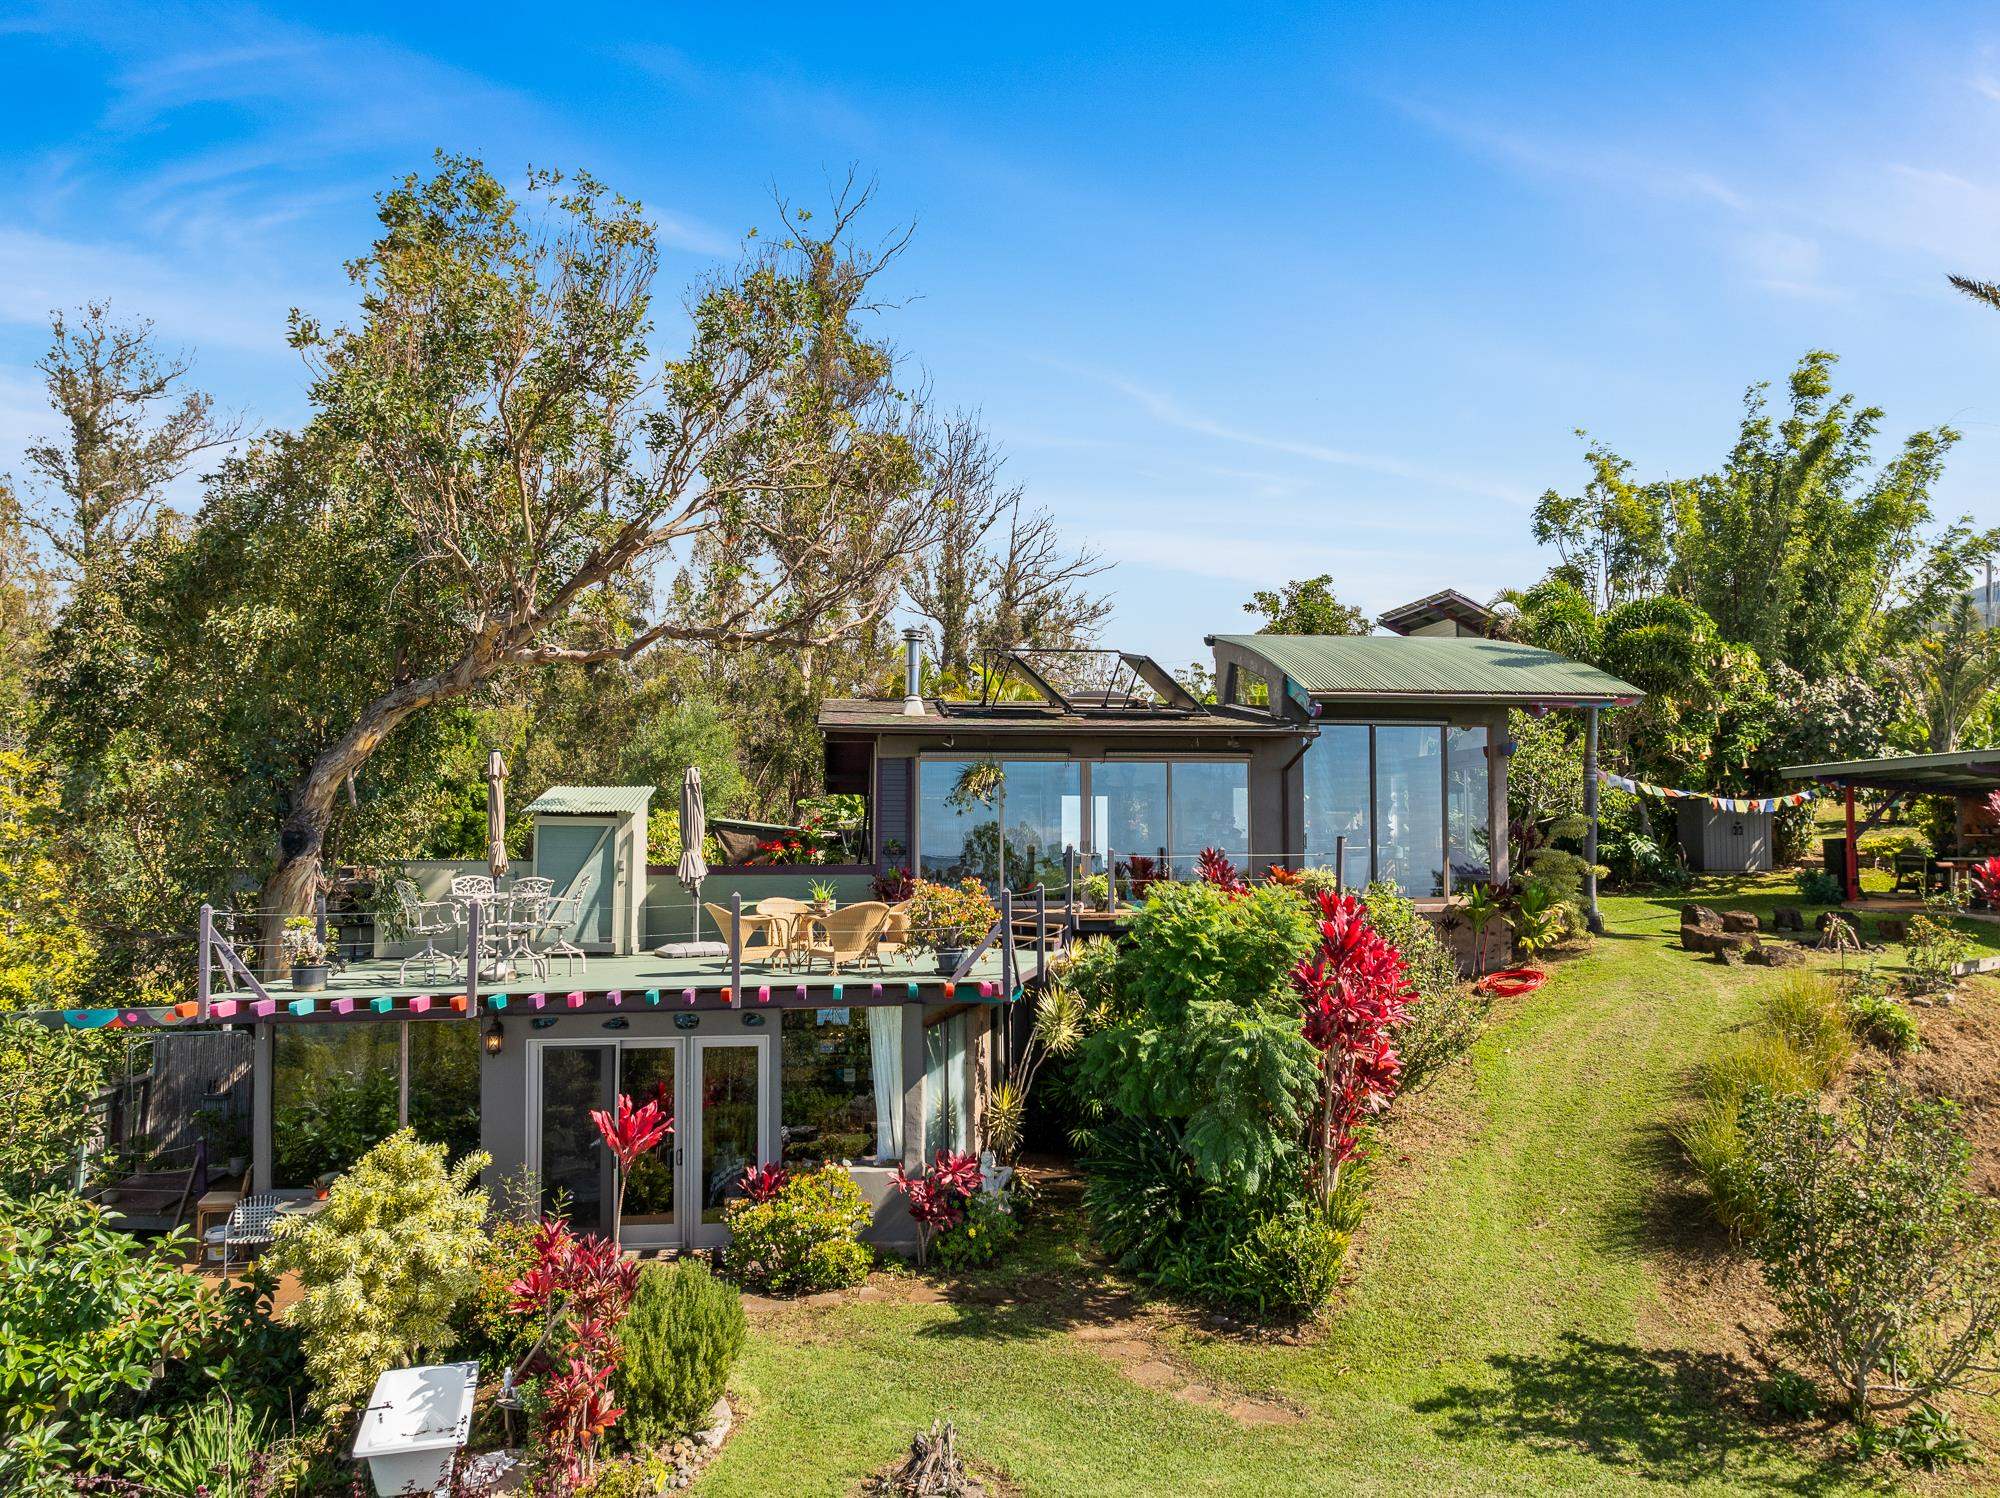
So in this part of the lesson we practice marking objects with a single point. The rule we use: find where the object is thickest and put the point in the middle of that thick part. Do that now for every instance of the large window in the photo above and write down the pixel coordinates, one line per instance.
(1409, 807)
(333, 1097)
(1337, 780)
(842, 1088)
(1409, 798)
(1009, 823)
(1211, 809)
(1468, 812)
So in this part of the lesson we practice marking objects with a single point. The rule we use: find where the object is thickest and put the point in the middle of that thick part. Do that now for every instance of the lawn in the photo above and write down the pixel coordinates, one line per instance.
(1519, 1318)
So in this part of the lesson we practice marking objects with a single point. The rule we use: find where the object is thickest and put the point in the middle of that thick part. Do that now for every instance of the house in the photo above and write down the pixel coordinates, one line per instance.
(1385, 753)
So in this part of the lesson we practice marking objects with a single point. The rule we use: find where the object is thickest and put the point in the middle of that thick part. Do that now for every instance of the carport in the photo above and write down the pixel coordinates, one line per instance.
(1966, 774)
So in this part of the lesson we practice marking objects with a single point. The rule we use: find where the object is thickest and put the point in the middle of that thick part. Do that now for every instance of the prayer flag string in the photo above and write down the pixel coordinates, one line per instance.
(1738, 804)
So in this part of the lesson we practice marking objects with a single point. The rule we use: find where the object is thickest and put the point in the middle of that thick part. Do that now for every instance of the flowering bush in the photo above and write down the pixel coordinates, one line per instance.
(806, 1237)
(987, 1230)
(947, 917)
(1354, 992)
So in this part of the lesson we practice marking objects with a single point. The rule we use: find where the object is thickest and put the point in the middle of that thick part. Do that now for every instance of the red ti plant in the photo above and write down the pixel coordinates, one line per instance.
(937, 1198)
(1216, 869)
(628, 1136)
(1354, 995)
(579, 1287)
(761, 1183)
(1141, 874)
(1986, 879)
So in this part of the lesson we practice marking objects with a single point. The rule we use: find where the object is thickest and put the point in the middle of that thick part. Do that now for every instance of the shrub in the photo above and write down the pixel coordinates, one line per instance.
(48, 1078)
(384, 1267)
(986, 1231)
(1884, 1263)
(1289, 1262)
(1817, 887)
(1935, 947)
(212, 1451)
(806, 1238)
(1444, 1015)
(1881, 1021)
(1090, 968)
(1712, 1140)
(679, 1340)
(487, 1325)
(1194, 943)
(87, 1315)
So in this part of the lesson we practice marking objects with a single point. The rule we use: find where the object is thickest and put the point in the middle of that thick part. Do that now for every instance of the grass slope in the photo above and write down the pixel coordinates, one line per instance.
(1509, 1329)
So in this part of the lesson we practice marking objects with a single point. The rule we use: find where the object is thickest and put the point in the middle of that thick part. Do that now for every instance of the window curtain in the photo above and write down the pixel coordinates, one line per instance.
(885, 1062)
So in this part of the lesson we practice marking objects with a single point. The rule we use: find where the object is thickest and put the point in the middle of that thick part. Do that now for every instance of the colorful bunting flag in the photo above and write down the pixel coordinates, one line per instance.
(1734, 804)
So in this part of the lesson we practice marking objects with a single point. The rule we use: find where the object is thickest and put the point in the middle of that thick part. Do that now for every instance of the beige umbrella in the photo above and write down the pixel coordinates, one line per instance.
(693, 867)
(496, 815)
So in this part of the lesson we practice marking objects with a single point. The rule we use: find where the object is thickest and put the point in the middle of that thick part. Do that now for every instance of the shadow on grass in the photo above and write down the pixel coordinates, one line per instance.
(1670, 1215)
(1676, 1416)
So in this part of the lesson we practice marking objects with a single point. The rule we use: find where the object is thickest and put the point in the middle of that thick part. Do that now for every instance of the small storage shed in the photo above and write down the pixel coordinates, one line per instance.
(1724, 842)
(591, 841)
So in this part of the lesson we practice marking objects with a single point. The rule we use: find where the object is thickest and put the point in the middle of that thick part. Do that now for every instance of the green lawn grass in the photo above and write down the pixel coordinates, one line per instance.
(1507, 1329)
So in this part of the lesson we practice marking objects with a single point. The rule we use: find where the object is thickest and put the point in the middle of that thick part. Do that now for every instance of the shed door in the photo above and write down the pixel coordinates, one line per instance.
(582, 859)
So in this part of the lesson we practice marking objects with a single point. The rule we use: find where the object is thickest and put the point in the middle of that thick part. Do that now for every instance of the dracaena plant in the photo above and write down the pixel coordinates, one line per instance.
(631, 1132)
(1354, 995)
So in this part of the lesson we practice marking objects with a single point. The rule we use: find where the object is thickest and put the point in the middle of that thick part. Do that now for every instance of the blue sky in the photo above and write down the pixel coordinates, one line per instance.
(1243, 296)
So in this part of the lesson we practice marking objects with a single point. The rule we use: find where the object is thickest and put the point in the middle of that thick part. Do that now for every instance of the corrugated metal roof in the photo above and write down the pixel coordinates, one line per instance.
(1437, 666)
(885, 715)
(592, 800)
(1961, 771)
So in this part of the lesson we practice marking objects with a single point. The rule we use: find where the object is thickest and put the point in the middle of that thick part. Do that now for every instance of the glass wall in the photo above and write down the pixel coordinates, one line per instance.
(1211, 809)
(1006, 822)
(1409, 807)
(1468, 818)
(1408, 797)
(1337, 800)
(842, 1085)
(333, 1097)
(1129, 806)
(444, 1083)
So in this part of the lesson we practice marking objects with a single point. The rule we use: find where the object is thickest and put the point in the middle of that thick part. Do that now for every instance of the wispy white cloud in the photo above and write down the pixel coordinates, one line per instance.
(1576, 160)
(1166, 409)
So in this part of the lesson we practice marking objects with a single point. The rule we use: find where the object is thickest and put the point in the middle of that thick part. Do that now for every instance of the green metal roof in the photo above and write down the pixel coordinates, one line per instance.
(1961, 772)
(1435, 666)
(592, 800)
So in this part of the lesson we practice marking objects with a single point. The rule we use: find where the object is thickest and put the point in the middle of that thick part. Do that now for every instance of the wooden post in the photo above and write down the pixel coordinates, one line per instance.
(736, 946)
(204, 934)
(1853, 848)
(319, 916)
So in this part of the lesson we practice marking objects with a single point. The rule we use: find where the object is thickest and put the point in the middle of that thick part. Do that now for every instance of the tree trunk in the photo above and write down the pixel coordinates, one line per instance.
(294, 878)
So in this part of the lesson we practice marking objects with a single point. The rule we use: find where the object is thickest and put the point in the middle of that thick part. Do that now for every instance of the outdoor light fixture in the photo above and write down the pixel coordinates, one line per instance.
(496, 1038)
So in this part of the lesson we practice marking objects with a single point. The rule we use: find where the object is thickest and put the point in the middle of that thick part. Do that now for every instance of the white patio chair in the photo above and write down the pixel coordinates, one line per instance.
(248, 1228)
(429, 919)
(520, 923)
(560, 916)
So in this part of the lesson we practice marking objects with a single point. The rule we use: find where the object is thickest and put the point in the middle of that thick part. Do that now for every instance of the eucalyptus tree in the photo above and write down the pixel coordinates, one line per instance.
(498, 394)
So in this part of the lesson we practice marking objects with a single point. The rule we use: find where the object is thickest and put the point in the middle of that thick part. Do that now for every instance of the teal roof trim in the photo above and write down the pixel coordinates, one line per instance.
(592, 800)
(1438, 667)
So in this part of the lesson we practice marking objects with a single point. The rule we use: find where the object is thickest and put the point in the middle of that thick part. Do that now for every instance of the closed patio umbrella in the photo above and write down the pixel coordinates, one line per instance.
(694, 831)
(496, 815)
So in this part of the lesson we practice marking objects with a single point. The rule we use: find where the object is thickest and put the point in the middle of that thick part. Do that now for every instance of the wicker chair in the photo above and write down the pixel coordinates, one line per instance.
(772, 928)
(896, 925)
(852, 934)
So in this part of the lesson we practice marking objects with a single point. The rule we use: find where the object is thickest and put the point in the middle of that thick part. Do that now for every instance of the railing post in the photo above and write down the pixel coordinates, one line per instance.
(319, 916)
(1007, 943)
(1069, 875)
(1110, 882)
(204, 934)
(1041, 932)
(1340, 864)
(472, 923)
(735, 947)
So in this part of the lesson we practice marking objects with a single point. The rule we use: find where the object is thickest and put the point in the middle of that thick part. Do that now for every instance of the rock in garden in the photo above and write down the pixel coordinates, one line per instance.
(1700, 915)
(1740, 920)
(1782, 955)
(1788, 918)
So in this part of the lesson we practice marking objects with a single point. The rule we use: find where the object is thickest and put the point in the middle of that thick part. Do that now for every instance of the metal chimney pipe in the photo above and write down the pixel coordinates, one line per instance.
(913, 673)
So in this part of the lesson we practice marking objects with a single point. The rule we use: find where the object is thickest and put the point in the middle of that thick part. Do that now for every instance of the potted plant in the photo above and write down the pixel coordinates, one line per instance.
(1097, 891)
(821, 893)
(306, 950)
(949, 919)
